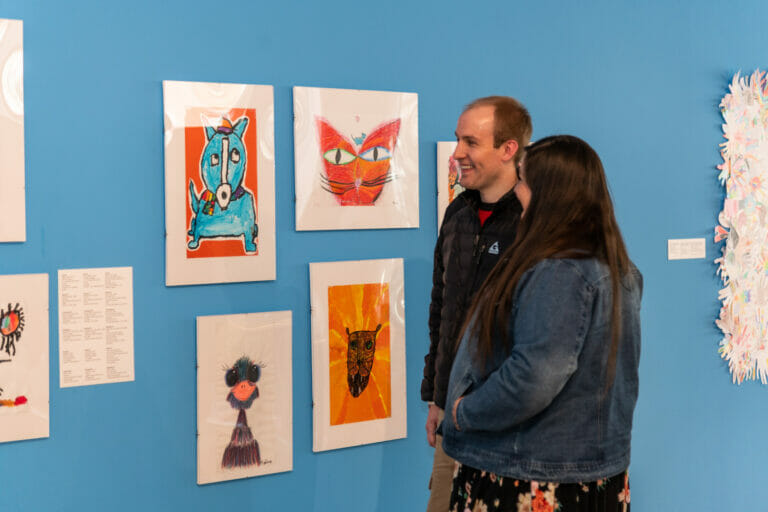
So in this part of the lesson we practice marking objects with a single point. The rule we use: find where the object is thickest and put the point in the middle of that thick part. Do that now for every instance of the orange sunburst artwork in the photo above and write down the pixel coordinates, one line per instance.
(355, 313)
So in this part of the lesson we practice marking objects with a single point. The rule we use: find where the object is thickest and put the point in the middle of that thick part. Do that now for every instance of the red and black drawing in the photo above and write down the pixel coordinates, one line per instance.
(11, 327)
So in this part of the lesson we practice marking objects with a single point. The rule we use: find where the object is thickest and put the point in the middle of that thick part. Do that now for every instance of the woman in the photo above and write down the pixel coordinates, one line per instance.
(544, 383)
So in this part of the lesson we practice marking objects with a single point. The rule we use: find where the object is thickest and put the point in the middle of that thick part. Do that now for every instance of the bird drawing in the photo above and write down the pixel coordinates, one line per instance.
(243, 449)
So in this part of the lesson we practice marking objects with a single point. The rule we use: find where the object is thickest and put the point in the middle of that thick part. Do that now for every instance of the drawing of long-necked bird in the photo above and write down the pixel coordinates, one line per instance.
(243, 449)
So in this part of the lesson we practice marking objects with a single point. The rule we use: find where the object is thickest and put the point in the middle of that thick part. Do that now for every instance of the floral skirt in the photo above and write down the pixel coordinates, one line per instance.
(475, 490)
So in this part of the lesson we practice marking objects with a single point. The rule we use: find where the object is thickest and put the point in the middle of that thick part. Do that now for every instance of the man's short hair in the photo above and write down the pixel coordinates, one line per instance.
(511, 121)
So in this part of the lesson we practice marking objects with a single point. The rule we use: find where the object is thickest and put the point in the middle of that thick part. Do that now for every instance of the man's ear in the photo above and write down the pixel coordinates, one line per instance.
(510, 148)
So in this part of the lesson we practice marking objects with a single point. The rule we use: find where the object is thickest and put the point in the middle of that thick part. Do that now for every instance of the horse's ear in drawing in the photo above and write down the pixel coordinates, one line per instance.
(240, 125)
(347, 331)
(209, 132)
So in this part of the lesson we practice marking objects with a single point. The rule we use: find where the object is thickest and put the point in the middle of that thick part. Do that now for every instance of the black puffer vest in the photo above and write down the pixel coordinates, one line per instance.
(464, 256)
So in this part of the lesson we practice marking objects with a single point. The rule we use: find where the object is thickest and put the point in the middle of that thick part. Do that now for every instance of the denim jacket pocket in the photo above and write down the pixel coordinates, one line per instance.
(462, 387)
(466, 383)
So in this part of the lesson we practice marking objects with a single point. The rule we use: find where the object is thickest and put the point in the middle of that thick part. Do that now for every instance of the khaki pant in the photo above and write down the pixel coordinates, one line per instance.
(441, 482)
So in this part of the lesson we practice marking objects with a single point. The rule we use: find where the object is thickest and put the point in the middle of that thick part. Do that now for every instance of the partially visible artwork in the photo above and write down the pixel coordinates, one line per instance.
(23, 357)
(244, 396)
(358, 352)
(742, 225)
(12, 189)
(448, 186)
(11, 327)
(356, 159)
(19, 400)
(219, 172)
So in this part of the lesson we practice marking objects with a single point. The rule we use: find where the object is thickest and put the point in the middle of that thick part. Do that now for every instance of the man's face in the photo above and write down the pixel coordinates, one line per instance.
(482, 165)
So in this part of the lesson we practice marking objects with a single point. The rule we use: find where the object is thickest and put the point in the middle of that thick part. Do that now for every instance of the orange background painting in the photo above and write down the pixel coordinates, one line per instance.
(359, 307)
(194, 142)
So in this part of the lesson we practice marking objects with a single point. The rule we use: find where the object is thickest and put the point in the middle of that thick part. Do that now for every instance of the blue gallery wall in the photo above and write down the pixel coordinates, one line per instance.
(639, 81)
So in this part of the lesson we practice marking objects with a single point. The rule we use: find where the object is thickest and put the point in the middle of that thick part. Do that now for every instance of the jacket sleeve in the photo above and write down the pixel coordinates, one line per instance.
(548, 328)
(435, 309)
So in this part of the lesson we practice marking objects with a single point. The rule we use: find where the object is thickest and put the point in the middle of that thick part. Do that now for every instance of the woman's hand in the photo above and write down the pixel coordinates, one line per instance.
(455, 408)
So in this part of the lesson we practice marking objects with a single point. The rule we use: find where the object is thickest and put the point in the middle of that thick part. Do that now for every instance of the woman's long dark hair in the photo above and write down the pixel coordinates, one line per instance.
(570, 216)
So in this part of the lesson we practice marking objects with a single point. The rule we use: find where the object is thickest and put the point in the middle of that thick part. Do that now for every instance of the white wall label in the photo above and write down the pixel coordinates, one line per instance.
(95, 326)
(686, 248)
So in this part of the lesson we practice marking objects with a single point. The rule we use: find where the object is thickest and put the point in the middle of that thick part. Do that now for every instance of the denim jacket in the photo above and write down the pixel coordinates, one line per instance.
(540, 411)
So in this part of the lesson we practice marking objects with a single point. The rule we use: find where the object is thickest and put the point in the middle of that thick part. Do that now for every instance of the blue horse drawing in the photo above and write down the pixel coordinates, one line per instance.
(224, 209)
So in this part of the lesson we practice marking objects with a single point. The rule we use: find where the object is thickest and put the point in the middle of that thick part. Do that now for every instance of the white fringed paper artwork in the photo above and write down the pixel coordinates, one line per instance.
(743, 266)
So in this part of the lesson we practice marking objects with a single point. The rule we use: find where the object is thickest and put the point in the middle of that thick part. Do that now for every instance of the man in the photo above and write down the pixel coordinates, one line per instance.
(478, 226)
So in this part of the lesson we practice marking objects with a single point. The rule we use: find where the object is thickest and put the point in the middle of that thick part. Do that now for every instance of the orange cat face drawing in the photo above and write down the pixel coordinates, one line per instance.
(357, 176)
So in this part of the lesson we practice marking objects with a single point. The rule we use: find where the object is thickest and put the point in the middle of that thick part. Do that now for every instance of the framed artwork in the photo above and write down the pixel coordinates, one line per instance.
(358, 352)
(13, 226)
(24, 371)
(447, 179)
(244, 396)
(219, 183)
(357, 159)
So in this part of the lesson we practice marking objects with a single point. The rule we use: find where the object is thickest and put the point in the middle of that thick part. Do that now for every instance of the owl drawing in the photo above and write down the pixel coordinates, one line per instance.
(361, 347)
